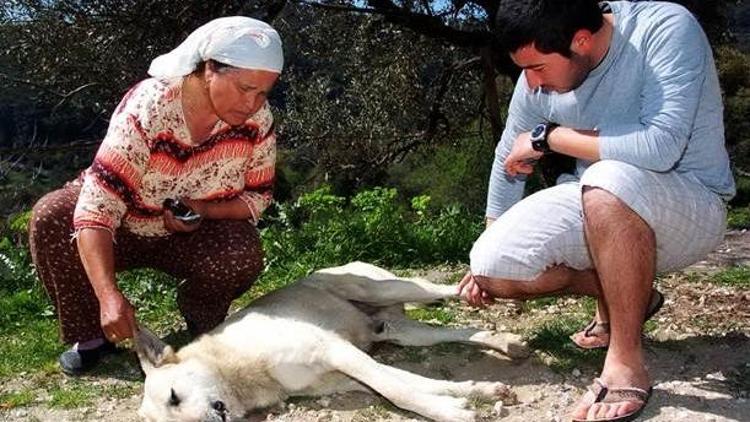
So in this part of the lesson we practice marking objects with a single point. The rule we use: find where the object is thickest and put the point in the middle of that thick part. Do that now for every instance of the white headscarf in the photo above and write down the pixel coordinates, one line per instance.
(238, 41)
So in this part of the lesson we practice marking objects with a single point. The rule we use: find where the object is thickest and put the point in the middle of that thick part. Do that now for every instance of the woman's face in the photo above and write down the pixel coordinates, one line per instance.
(236, 94)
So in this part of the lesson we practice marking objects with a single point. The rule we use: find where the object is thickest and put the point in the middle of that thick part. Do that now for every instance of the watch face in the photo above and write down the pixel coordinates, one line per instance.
(538, 131)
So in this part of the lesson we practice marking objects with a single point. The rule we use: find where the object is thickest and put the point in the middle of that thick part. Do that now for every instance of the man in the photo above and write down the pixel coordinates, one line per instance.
(630, 90)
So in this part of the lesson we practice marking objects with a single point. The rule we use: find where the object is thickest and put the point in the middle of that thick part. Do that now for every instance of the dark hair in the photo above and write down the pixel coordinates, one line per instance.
(549, 24)
(213, 64)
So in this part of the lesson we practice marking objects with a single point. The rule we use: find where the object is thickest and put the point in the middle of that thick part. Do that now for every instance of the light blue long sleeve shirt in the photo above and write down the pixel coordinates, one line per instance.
(655, 100)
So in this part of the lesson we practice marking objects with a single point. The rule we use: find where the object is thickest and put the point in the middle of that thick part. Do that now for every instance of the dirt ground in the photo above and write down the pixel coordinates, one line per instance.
(698, 353)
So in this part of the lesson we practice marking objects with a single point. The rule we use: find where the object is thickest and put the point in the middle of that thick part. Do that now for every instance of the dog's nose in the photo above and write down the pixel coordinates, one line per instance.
(219, 406)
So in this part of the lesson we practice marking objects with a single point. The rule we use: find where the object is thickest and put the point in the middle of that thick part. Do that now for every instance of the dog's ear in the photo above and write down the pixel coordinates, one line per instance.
(152, 352)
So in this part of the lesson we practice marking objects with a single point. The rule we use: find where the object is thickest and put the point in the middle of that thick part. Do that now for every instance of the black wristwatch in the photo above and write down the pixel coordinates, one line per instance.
(539, 137)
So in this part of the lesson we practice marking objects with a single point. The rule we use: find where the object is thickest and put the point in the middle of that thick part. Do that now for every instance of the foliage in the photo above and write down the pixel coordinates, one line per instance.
(321, 229)
(739, 218)
(16, 399)
(453, 174)
(736, 110)
(738, 276)
(364, 99)
(734, 69)
(553, 338)
(15, 267)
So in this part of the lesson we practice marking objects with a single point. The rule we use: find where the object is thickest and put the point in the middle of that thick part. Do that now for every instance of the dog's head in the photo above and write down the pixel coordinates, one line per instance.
(177, 390)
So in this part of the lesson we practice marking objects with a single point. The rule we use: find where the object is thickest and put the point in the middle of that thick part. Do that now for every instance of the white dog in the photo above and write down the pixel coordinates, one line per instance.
(307, 339)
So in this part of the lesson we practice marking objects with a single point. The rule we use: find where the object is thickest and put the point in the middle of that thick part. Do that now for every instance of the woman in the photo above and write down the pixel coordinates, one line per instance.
(200, 130)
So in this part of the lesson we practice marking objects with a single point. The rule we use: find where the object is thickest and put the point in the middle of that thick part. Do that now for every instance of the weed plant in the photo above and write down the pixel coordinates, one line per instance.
(321, 230)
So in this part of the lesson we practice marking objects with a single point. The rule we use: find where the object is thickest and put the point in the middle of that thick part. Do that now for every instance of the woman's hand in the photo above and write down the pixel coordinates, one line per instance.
(175, 225)
(117, 317)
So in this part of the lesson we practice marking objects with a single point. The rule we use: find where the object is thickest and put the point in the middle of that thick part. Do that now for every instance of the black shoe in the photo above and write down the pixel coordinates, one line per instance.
(75, 362)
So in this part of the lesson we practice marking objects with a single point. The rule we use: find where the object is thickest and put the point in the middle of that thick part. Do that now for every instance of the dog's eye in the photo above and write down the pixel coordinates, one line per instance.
(173, 399)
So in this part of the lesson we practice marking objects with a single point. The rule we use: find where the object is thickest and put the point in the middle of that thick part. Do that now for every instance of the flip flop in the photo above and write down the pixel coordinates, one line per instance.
(596, 328)
(604, 394)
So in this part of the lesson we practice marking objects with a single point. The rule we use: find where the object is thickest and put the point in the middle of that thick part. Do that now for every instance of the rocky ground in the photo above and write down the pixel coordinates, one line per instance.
(698, 351)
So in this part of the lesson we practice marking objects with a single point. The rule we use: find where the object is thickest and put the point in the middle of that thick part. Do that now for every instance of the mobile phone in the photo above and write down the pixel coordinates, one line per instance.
(181, 211)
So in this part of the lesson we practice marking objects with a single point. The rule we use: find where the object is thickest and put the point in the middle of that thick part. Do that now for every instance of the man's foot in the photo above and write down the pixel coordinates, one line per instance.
(78, 360)
(596, 334)
(611, 404)
(619, 394)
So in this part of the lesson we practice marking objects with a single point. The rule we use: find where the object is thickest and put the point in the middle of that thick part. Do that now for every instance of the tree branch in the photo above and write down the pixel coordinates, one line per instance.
(67, 96)
(427, 25)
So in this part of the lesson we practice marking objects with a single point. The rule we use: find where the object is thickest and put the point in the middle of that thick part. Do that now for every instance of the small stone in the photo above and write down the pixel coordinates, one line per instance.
(576, 372)
(716, 376)
(324, 402)
(497, 409)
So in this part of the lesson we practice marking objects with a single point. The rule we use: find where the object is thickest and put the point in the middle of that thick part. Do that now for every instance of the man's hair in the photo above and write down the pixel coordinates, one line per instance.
(549, 24)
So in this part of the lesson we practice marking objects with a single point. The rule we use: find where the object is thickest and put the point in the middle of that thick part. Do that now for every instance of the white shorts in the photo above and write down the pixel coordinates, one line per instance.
(546, 228)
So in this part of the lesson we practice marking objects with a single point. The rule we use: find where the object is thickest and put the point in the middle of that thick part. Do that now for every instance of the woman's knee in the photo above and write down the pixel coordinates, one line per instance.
(51, 224)
(245, 246)
(53, 211)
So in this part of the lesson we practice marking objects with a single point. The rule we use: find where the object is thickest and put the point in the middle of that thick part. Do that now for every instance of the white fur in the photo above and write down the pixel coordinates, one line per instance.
(308, 339)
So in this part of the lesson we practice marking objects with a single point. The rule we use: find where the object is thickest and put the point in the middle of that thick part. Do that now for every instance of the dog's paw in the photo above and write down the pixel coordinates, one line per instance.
(509, 344)
(493, 390)
(456, 415)
(443, 408)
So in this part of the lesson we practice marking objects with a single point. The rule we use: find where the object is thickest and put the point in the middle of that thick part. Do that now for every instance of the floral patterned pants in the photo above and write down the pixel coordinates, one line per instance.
(215, 264)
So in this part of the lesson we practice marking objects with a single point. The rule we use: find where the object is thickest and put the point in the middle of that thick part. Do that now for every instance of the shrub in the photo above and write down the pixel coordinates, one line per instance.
(322, 230)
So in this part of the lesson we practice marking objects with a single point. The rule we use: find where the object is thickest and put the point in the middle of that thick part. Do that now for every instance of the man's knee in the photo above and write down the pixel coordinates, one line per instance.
(500, 288)
(605, 215)
(598, 202)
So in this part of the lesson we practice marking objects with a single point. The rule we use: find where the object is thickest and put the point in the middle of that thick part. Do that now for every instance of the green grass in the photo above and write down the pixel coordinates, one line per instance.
(734, 276)
(553, 338)
(739, 218)
(29, 340)
(74, 394)
(539, 303)
(31, 347)
(17, 399)
(432, 314)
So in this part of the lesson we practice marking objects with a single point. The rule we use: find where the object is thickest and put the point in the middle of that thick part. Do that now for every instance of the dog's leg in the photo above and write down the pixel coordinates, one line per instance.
(388, 292)
(484, 389)
(334, 382)
(346, 358)
(406, 332)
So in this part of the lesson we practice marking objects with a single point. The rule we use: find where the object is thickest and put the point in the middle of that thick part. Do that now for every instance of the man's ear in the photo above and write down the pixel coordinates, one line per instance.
(152, 352)
(582, 42)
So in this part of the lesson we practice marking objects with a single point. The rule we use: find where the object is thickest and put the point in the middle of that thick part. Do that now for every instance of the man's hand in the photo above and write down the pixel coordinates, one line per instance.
(522, 156)
(470, 291)
(117, 317)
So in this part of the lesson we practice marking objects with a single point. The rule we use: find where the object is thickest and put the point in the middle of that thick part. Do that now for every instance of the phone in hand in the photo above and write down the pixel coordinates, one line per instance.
(181, 211)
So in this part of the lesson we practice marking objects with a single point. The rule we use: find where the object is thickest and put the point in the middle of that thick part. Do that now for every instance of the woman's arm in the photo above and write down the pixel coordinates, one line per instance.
(117, 315)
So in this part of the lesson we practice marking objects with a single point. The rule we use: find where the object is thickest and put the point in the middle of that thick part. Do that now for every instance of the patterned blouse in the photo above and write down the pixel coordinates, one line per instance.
(148, 156)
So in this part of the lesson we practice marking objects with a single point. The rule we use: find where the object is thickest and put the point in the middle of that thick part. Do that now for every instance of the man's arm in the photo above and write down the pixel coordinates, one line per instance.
(523, 114)
(583, 144)
(675, 60)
